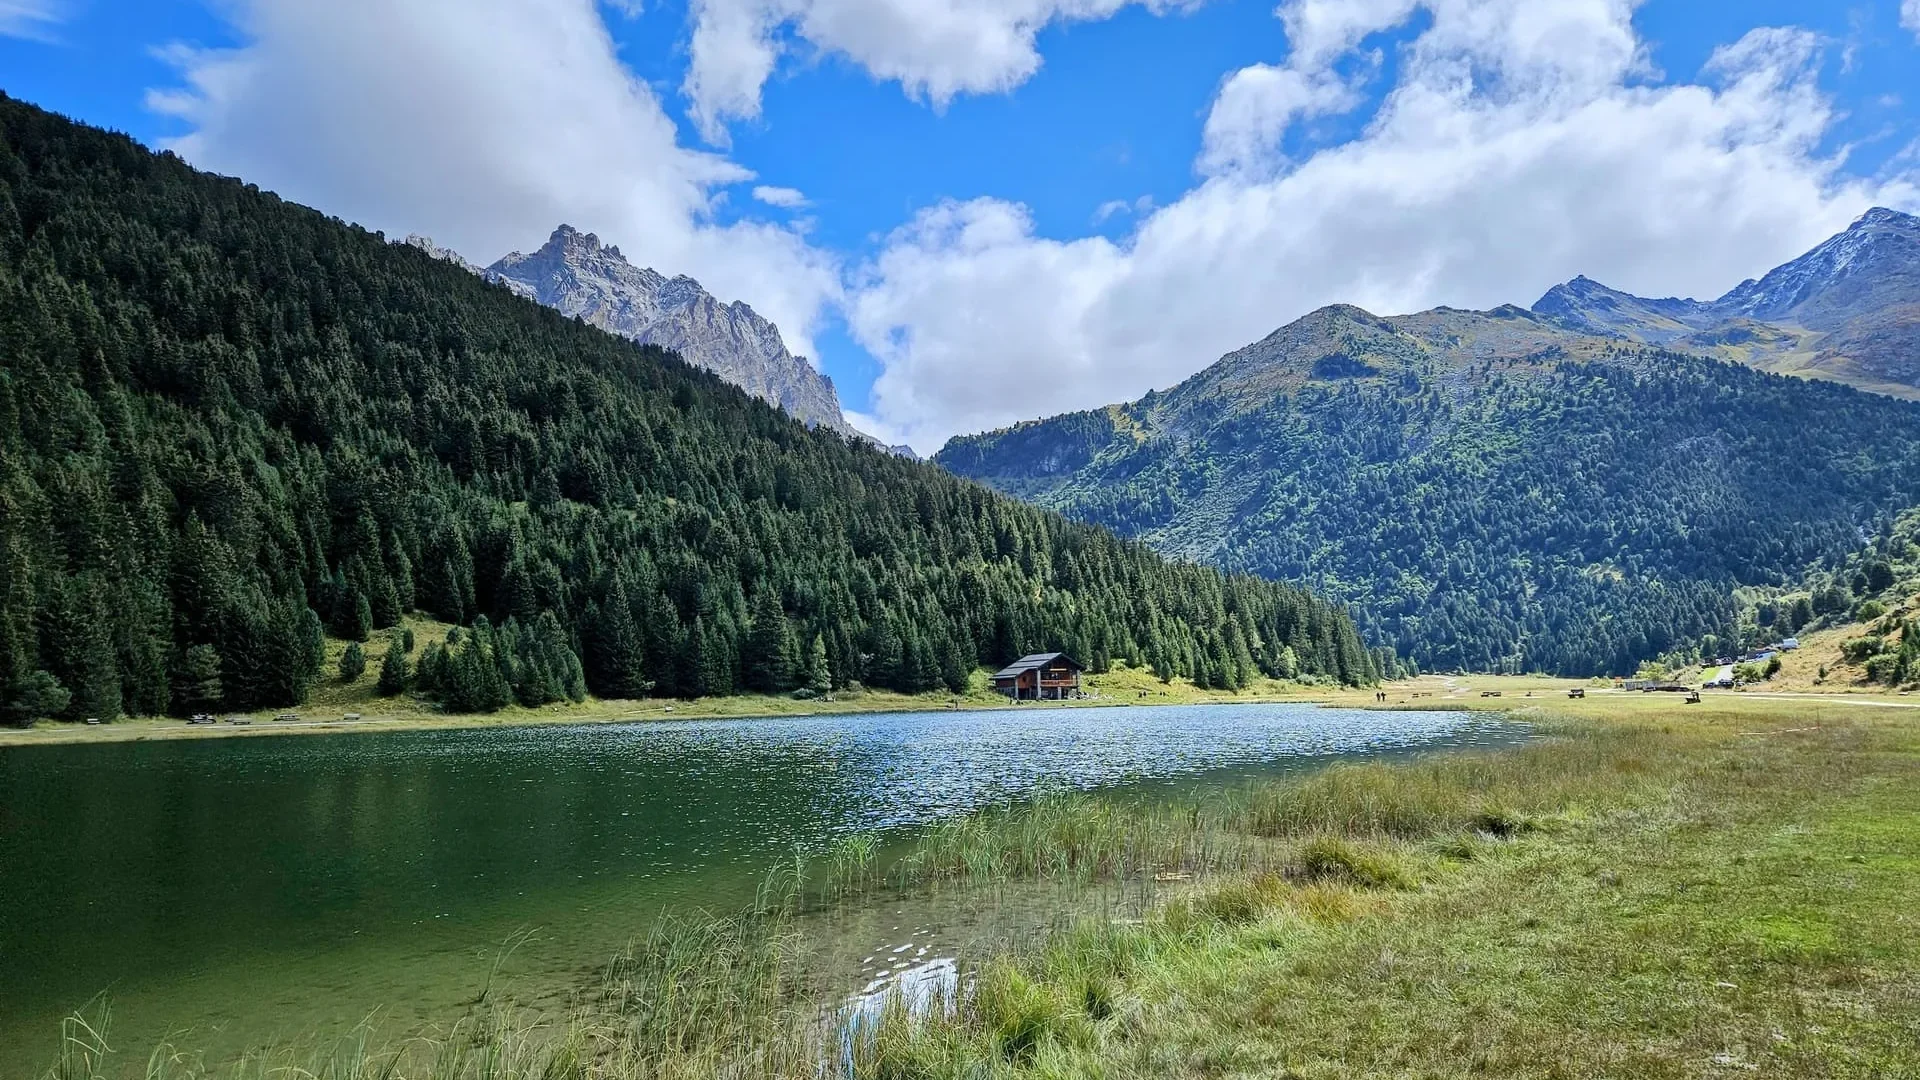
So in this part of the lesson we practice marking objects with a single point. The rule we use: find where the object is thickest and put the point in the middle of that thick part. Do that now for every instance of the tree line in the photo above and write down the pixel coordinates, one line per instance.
(231, 427)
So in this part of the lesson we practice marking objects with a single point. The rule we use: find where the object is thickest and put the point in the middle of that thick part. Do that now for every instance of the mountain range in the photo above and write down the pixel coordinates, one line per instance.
(1572, 488)
(1849, 311)
(577, 275)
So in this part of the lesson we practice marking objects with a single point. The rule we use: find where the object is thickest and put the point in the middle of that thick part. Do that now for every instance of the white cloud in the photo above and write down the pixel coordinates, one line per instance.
(1116, 207)
(30, 19)
(936, 49)
(785, 198)
(1255, 107)
(1523, 143)
(483, 123)
(1910, 16)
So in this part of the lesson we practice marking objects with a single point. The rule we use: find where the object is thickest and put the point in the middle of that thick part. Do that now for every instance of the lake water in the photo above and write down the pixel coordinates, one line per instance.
(233, 890)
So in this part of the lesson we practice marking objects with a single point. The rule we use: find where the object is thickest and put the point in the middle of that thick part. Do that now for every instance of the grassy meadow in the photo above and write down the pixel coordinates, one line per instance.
(1648, 889)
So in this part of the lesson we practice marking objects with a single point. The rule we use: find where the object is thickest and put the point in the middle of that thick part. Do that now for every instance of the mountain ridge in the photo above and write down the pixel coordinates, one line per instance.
(1848, 310)
(574, 273)
(1489, 490)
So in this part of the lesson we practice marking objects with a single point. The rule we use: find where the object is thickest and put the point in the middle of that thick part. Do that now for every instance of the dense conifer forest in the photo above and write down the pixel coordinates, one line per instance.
(1543, 513)
(230, 426)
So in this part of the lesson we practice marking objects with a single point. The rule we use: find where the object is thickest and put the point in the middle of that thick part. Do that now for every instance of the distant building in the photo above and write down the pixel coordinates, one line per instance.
(1040, 677)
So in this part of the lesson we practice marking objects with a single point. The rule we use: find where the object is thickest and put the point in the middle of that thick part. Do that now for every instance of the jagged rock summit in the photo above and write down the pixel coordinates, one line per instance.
(1849, 310)
(575, 274)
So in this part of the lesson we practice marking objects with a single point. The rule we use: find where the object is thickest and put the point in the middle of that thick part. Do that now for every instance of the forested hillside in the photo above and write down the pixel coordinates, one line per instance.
(226, 421)
(1490, 491)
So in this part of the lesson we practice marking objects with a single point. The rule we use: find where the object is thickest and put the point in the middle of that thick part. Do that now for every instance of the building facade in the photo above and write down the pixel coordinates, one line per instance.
(1040, 677)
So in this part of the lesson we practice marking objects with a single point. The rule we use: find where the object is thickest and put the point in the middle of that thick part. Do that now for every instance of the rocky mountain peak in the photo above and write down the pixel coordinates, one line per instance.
(1879, 238)
(1883, 217)
(426, 244)
(577, 274)
(567, 240)
(1848, 310)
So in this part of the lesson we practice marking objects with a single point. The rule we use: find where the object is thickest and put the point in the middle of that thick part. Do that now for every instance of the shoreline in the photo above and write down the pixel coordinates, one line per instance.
(739, 707)
(1123, 689)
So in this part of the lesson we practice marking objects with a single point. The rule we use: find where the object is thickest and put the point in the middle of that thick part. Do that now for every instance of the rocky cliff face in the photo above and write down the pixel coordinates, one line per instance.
(1849, 310)
(576, 274)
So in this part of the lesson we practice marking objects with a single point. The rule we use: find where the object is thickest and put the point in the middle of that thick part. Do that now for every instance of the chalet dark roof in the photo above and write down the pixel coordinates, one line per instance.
(1028, 663)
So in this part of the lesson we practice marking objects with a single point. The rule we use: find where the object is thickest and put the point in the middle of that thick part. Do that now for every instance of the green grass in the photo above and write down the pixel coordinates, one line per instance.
(1723, 889)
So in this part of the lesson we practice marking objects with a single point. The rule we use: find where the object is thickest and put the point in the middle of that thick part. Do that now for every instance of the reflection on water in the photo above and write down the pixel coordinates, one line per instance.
(246, 887)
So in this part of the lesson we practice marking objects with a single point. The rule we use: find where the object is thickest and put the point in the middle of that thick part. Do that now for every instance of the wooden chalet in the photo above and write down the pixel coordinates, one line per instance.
(1049, 676)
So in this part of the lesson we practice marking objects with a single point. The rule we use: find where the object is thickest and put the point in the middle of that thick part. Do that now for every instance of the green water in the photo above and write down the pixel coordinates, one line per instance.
(232, 891)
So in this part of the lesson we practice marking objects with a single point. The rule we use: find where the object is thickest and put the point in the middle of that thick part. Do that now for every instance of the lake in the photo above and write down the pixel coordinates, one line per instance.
(234, 890)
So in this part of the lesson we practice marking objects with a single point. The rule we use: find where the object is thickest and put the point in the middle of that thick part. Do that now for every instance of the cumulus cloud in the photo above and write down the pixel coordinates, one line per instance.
(31, 19)
(785, 198)
(1255, 107)
(1910, 16)
(1522, 144)
(483, 123)
(936, 49)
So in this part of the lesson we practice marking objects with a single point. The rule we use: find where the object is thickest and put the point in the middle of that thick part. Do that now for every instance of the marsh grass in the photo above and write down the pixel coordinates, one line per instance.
(1067, 837)
(1355, 916)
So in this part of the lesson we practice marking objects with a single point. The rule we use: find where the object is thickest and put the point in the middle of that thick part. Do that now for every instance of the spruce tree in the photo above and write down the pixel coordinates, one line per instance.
(196, 681)
(615, 666)
(353, 663)
(35, 695)
(352, 615)
(395, 671)
(716, 660)
(819, 673)
(430, 677)
(768, 655)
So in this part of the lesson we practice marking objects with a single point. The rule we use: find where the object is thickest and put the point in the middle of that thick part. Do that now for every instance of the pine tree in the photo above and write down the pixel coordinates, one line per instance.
(352, 615)
(819, 674)
(314, 636)
(35, 695)
(80, 654)
(430, 677)
(715, 657)
(290, 667)
(615, 667)
(196, 681)
(472, 682)
(353, 663)
(395, 671)
(768, 655)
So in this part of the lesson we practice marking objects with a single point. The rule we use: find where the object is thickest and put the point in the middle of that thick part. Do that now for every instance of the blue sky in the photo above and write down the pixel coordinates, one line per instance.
(1100, 194)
